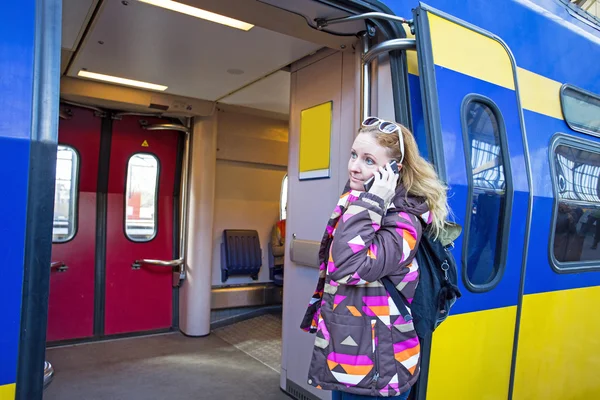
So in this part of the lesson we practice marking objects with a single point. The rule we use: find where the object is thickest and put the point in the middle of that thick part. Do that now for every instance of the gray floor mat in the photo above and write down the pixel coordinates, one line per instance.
(258, 337)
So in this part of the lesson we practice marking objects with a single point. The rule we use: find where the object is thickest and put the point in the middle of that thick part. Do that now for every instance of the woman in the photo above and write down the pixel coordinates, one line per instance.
(364, 348)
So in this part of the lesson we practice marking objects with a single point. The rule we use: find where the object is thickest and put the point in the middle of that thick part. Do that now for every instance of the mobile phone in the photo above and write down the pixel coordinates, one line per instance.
(369, 182)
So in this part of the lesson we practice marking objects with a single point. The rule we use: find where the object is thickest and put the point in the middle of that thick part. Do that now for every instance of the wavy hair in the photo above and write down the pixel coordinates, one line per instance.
(417, 175)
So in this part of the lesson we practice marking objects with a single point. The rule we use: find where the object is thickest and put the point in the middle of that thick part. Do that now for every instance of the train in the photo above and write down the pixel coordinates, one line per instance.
(142, 139)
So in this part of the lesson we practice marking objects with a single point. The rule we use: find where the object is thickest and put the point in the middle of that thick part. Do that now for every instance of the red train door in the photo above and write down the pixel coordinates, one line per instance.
(140, 225)
(71, 303)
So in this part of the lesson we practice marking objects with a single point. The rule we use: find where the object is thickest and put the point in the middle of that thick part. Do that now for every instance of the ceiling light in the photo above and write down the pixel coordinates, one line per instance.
(199, 13)
(121, 81)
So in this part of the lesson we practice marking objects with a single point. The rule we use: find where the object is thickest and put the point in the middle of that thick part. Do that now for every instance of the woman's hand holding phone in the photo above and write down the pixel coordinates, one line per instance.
(384, 183)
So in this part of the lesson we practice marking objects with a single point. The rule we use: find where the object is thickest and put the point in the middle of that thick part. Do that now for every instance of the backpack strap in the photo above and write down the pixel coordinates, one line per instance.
(398, 298)
(401, 303)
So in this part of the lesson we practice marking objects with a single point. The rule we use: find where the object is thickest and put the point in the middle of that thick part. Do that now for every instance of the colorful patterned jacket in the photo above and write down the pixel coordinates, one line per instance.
(363, 345)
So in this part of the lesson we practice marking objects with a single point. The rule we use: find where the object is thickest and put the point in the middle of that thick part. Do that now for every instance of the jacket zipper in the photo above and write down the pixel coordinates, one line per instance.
(375, 355)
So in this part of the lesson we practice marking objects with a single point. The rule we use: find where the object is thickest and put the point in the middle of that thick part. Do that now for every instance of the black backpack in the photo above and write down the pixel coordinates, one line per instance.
(437, 290)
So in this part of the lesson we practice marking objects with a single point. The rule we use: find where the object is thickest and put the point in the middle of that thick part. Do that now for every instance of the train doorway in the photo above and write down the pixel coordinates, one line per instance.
(115, 202)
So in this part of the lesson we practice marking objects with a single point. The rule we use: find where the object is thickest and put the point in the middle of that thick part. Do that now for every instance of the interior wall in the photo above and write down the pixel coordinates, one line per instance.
(382, 105)
(252, 153)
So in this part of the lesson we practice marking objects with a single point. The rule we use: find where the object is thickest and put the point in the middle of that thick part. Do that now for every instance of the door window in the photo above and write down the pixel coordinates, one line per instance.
(141, 197)
(65, 194)
(486, 219)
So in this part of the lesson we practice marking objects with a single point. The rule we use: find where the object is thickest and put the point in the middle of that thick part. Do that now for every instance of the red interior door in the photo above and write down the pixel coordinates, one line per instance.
(71, 303)
(139, 226)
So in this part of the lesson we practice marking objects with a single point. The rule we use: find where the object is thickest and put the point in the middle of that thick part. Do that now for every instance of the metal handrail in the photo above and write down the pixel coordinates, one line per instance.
(387, 46)
(166, 127)
(73, 103)
(59, 265)
(137, 114)
(322, 22)
(63, 114)
(161, 263)
(365, 82)
(183, 205)
(178, 273)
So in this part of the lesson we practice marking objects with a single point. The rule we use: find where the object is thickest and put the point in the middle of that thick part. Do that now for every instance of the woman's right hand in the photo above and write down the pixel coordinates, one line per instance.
(385, 184)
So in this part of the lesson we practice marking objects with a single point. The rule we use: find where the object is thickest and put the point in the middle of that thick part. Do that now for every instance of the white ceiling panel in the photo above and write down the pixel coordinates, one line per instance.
(75, 14)
(189, 55)
(270, 94)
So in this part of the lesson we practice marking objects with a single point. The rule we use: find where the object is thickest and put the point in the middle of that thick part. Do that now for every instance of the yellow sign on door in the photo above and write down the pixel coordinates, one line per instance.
(315, 141)
(145, 144)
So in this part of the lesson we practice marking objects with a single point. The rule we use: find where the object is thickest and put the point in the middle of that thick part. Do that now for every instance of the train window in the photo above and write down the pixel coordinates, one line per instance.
(581, 109)
(65, 194)
(141, 197)
(490, 191)
(576, 179)
(283, 198)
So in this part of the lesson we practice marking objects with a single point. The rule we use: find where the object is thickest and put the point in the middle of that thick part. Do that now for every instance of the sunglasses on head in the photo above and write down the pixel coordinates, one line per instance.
(386, 127)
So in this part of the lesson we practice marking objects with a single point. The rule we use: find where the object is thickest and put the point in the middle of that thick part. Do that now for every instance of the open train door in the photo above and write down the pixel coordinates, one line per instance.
(476, 139)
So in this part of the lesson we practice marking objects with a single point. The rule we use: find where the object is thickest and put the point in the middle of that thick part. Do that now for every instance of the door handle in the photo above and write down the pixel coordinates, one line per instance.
(160, 263)
(58, 266)
(178, 273)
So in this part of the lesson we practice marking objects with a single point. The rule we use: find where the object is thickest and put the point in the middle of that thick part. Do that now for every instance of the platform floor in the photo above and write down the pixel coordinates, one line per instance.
(238, 361)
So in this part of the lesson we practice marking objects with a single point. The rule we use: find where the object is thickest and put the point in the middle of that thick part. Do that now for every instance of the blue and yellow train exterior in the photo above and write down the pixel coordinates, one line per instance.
(530, 333)
(29, 97)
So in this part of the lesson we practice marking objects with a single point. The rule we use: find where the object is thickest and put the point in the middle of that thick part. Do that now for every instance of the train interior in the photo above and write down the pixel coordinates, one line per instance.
(136, 192)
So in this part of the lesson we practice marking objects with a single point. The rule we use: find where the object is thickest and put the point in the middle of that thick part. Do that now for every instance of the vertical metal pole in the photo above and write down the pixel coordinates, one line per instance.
(41, 161)
(365, 82)
(183, 214)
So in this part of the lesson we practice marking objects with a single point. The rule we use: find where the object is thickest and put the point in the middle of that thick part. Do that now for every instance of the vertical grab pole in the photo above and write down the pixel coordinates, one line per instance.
(179, 276)
(365, 81)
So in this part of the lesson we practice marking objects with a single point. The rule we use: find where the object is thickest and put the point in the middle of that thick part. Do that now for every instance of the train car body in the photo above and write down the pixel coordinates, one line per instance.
(139, 198)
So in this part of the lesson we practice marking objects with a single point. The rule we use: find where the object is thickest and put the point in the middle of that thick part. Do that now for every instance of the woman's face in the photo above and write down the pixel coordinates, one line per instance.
(366, 157)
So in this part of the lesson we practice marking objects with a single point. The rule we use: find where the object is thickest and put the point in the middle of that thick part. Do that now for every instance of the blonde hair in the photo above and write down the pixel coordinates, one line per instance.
(417, 175)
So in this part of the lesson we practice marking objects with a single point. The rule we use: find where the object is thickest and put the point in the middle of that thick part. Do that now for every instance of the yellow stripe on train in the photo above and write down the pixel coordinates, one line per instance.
(468, 52)
(539, 94)
(471, 356)
(7, 392)
(463, 50)
(558, 356)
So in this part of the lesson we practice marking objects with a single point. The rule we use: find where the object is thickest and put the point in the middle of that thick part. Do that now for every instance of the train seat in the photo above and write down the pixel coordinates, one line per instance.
(277, 253)
(240, 253)
(276, 257)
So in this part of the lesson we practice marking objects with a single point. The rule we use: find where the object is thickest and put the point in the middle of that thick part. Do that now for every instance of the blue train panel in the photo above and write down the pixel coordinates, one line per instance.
(540, 276)
(453, 87)
(416, 107)
(16, 83)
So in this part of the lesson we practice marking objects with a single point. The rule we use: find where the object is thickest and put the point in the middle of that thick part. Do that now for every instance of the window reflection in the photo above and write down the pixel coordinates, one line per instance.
(577, 229)
(65, 194)
(581, 109)
(141, 196)
(488, 186)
